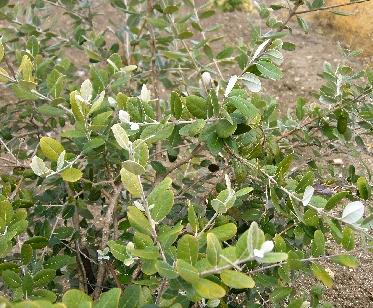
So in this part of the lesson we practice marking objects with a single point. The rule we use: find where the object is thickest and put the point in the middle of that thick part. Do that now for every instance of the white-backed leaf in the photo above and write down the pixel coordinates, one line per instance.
(353, 212)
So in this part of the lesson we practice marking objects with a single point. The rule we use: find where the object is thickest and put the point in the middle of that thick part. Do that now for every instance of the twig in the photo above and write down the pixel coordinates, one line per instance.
(331, 7)
(183, 161)
(115, 276)
(105, 238)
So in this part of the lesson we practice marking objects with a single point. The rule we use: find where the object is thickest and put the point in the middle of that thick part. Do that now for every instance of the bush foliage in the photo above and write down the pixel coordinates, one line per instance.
(147, 175)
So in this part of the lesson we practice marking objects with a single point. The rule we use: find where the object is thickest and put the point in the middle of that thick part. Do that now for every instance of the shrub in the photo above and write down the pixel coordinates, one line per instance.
(157, 179)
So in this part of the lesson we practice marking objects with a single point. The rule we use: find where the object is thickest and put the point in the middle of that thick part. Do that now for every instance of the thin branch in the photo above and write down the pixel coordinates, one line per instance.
(331, 7)
(105, 238)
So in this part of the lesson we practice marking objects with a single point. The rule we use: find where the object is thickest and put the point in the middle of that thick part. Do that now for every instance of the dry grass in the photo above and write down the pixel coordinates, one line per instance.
(355, 30)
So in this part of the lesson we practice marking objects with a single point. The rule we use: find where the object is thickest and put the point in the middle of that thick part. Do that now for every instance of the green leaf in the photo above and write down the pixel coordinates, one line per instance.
(280, 293)
(6, 212)
(11, 279)
(58, 262)
(93, 144)
(192, 129)
(26, 254)
(140, 152)
(76, 298)
(364, 188)
(2, 51)
(133, 167)
(283, 167)
(353, 212)
(131, 296)
(321, 274)
(303, 24)
(346, 260)
(197, 106)
(252, 82)
(43, 277)
(187, 249)
(4, 3)
(109, 299)
(187, 271)
(348, 239)
(249, 240)
(269, 70)
(176, 105)
(148, 253)
(166, 270)
(307, 180)
(224, 232)
(131, 182)
(157, 132)
(161, 200)
(37, 242)
(311, 218)
(318, 244)
(334, 200)
(237, 280)
(71, 174)
(246, 108)
(208, 289)
(51, 148)
(118, 250)
(192, 218)
(274, 257)
(224, 129)
(138, 220)
(213, 249)
(120, 136)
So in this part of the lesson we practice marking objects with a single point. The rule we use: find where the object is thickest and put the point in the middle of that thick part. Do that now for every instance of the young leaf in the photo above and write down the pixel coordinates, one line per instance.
(213, 249)
(252, 82)
(138, 220)
(71, 174)
(274, 257)
(237, 280)
(208, 289)
(249, 240)
(224, 232)
(187, 249)
(133, 167)
(118, 250)
(192, 218)
(161, 200)
(166, 270)
(121, 136)
(131, 182)
(346, 260)
(353, 212)
(187, 271)
(308, 193)
(348, 239)
(51, 148)
(364, 188)
(321, 274)
(318, 244)
(231, 83)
